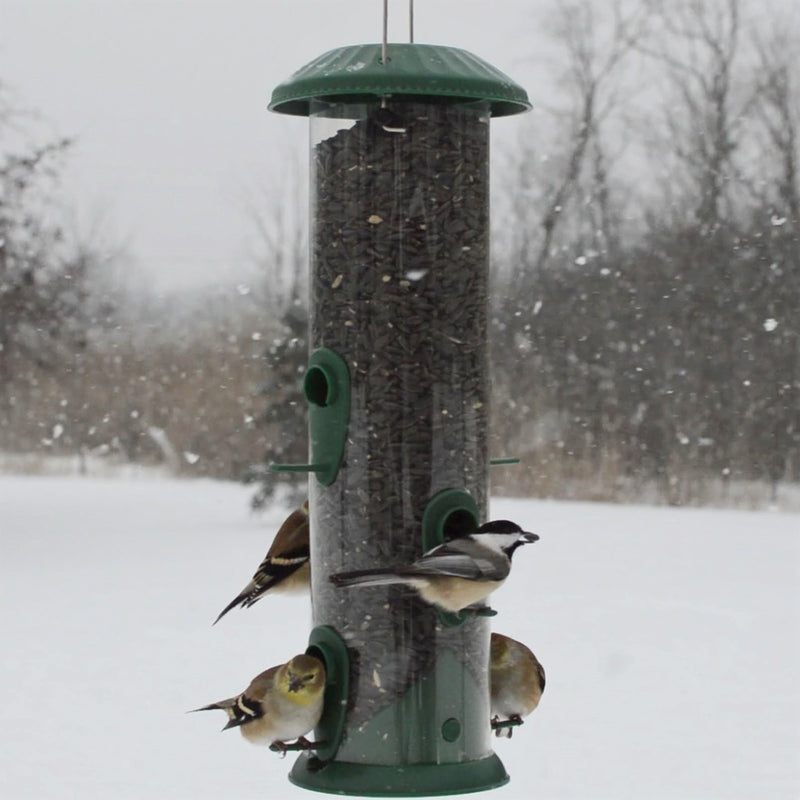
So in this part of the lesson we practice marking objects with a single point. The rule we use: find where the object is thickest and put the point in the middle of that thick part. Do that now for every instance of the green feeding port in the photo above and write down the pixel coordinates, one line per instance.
(326, 386)
(450, 513)
(327, 645)
(398, 395)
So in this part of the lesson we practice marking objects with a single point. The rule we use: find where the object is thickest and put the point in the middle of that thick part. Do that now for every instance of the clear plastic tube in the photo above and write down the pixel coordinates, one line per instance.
(399, 256)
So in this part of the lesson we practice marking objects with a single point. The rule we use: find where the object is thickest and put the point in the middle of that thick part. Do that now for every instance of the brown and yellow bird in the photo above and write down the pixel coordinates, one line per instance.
(280, 704)
(517, 681)
(284, 568)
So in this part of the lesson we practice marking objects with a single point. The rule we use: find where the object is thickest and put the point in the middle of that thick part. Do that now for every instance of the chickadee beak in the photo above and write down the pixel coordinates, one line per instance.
(528, 537)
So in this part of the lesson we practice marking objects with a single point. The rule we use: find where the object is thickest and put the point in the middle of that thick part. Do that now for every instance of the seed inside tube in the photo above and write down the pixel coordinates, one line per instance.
(417, 364)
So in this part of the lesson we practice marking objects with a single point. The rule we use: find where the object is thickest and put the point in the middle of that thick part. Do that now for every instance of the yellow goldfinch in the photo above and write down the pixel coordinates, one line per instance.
(284, 568)
(459, 573)
(517, 681)
(280, 704)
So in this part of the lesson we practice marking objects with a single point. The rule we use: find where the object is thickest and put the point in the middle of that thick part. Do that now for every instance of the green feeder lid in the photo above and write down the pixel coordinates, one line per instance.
(421, 70)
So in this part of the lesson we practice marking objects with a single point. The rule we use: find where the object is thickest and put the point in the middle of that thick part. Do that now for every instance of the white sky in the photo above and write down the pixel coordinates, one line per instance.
(167, 100)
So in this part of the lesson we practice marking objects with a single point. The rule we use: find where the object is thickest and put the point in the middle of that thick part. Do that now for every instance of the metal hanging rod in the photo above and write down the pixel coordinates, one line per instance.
(385, 38)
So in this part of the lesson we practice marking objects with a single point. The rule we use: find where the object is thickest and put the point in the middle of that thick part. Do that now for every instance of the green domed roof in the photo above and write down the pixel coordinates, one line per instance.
(422, 70)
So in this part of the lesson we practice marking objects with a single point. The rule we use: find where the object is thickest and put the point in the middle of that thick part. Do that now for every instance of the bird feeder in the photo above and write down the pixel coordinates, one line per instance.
(398, 391)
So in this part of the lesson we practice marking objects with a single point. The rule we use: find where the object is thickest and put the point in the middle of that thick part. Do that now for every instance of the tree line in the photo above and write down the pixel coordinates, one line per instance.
(650, 261)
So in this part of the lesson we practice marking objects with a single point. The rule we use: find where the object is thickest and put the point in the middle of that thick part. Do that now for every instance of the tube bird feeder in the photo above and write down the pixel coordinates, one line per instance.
(398, 392)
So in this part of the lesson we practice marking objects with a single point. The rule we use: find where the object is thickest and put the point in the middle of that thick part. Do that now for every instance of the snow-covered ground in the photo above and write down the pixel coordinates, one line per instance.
(671, 640)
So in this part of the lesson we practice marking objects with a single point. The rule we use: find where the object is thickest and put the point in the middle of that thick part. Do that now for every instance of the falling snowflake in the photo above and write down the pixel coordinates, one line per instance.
(770, 324)
(191, 458)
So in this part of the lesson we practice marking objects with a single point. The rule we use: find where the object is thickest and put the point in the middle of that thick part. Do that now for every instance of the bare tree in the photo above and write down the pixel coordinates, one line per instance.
(778, 106)
(279, 253)
(593, 65)
(278, 212)
(700, 43)
(42, 278)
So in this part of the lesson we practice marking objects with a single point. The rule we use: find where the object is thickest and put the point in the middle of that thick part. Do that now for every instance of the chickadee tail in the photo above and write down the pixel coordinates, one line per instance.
(367, 577)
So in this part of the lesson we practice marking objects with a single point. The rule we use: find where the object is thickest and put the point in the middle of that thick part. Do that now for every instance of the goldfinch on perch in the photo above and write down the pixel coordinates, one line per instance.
(283, 703)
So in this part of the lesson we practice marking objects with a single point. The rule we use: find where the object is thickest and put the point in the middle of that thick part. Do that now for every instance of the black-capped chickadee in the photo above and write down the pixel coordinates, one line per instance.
(516, 680)
(456, 574)
(284, 568)
(280, 704)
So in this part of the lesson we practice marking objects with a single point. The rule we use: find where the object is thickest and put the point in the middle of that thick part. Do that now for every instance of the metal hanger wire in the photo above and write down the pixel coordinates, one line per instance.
(385, 39)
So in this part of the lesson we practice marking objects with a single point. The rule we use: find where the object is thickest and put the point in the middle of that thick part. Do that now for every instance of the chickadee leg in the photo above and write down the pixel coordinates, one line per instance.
(496, 726)
(303, 744)
(477, 611)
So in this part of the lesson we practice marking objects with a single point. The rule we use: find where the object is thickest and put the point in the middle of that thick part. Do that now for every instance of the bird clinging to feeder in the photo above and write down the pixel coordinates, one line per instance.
(282, 703)
(456, 574)
(284, 568)
(516, 680)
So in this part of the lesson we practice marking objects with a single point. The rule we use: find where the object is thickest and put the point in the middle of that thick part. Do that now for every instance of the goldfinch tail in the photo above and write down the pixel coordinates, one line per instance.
(222, 705)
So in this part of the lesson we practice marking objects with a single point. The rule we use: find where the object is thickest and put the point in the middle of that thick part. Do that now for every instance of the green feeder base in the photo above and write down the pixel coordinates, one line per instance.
(417, 780)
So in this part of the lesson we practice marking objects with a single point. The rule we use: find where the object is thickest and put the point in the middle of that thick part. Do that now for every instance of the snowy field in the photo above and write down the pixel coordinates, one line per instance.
(671, 640)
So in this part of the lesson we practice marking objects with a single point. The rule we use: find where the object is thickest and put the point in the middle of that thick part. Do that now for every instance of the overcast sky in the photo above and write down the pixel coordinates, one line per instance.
(167, 100)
